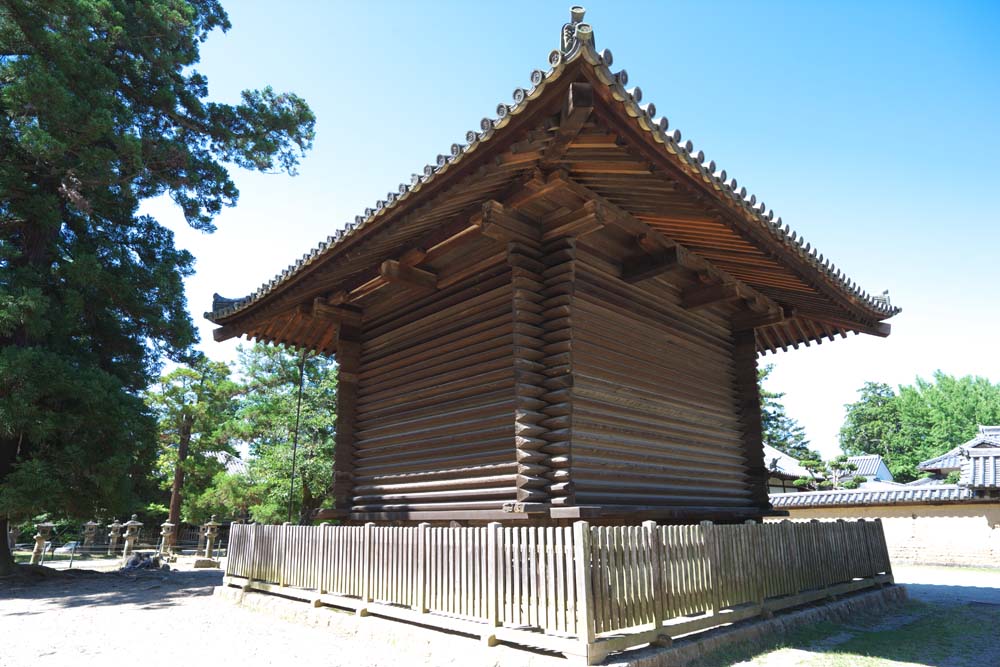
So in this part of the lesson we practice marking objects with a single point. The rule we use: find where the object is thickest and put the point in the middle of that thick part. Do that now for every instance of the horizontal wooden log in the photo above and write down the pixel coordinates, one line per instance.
(396, 272)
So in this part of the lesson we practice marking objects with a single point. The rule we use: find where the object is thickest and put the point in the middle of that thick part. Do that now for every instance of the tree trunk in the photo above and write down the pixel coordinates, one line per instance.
(8, 456)
(174, 517)
(6, 557)
(308, 505)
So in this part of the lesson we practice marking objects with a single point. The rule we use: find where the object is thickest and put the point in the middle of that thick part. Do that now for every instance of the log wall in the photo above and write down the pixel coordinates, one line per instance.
(436, 399)
(656, 419)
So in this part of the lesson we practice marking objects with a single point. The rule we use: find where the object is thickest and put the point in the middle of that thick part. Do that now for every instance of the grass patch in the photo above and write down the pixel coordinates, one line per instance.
(915, 633)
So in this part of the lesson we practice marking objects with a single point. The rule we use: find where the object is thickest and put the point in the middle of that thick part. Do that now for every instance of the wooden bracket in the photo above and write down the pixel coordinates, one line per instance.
(663, 260)
(589, 218)
(576, 110)
(344, 315)
(496, 222)
(226, 332)
(746, 321)
(395, 271)
(709, 295)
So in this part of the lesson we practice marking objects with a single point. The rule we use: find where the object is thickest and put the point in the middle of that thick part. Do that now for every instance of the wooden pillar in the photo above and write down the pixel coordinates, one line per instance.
(524, 257)
(348, 357)
(748, 402)
(559, 256)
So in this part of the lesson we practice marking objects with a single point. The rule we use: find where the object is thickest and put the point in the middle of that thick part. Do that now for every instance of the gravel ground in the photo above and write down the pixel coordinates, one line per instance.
(84, 619)
(90, 618)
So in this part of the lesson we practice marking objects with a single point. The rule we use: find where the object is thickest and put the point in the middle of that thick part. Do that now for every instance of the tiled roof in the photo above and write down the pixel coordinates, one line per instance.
(883, 496)
(981, 468)
(779, 462)
(578, 44)
(868, 464)
(950, 460)
(926, 481)
(988, 436)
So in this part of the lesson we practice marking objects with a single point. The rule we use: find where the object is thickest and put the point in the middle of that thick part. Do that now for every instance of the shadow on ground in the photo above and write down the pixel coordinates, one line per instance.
(145, 589)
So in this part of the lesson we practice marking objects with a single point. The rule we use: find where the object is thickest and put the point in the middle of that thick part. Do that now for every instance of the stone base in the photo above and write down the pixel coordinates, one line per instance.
(205, 563)
(678, 653)
(758, 633)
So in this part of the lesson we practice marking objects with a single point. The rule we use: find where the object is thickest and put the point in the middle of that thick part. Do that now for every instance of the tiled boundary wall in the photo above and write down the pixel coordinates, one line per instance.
(953, 534)
(585, 591)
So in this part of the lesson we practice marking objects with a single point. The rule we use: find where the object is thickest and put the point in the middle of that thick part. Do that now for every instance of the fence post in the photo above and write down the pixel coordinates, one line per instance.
(366, 589)
(709, 536)
(584, 585)
(884, 548)
(492, 588)
(282, 547)
(422, 567)
(656, 567)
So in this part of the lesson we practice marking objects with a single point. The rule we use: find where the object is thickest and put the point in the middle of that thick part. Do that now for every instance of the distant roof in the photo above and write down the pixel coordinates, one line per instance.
(950, 460)
(895, 495)
(988, 436)
(926, 481)
(780, 462)
(981, 468)
(868, 464)
(234, 464)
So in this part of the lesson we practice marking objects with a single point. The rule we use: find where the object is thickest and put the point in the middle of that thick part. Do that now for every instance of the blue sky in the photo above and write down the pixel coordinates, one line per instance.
(871, 128)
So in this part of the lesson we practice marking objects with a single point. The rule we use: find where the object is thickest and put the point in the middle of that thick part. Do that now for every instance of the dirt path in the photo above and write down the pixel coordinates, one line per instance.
(90, 619)
(93, 619)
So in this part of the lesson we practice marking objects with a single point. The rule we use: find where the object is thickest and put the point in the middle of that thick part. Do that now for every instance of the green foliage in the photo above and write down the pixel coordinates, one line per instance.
(921, 421)
(832, 474)
(953, 477)
(194, 405)
(100, 109)
(780, 431)
(266, 421)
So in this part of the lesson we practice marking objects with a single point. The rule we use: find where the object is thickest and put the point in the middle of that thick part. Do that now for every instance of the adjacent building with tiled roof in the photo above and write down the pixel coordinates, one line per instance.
(871, 467)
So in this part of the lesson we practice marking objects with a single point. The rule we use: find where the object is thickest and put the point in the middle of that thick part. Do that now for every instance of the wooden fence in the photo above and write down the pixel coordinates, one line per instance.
(585, 591)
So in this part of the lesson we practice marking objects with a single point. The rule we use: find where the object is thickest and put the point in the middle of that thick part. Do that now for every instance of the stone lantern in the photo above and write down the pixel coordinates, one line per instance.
(211, 532)
(113, 535)
(89, 533)
(167, 540)
(200, 551)
(132, 527)
(44, 532)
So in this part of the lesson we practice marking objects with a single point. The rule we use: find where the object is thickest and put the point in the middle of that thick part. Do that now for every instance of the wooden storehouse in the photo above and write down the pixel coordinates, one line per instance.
(558, 318)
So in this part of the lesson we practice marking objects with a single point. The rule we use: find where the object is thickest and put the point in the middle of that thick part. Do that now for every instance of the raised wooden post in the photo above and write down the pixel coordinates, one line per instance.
(656, 565)
(711, 547)
(492, 588)
(348, 357)
(422, 567)
(282, 549)
(748, 397)
(884, 548)
(584, 585)
(366, 582)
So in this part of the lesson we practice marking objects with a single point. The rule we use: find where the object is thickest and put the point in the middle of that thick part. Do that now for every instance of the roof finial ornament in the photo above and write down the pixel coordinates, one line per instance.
(574, 31)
